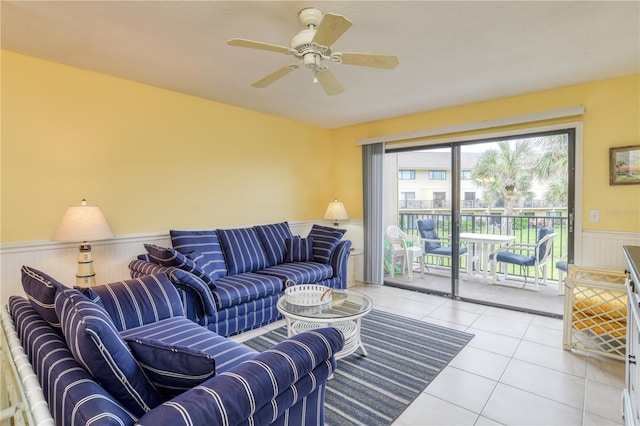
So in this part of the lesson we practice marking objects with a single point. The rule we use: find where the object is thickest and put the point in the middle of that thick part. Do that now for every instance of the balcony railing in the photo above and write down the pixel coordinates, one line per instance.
(524, 228)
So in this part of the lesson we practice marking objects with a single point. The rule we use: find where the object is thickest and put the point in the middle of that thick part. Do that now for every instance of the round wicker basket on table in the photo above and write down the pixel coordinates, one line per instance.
(308, 295)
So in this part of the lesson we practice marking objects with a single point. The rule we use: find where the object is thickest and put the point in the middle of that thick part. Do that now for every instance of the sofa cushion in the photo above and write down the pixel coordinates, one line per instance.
(242, 288)
(243, 251)
(273, 237)
(163, 352)
(177, 353)
(203, 247)
(41, 290)
(96, 345)
(325, 240)
(138, 301)
(167, 256)
(298, 250)
(300, 272)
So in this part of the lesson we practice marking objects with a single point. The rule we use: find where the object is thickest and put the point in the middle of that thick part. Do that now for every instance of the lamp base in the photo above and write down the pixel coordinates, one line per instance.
(86, 277)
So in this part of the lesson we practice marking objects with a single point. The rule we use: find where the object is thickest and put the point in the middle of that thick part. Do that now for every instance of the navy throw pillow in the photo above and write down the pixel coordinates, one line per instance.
(298, 249)
(325, 240)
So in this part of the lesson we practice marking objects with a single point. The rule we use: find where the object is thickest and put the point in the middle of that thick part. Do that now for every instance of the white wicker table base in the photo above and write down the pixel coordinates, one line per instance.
(350, 330)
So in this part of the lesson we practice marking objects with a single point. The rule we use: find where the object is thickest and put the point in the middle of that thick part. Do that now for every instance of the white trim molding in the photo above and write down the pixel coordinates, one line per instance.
(478, 125)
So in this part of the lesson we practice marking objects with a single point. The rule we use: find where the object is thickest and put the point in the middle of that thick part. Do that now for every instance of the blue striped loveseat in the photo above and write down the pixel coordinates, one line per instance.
(124, 354)
(230, 280)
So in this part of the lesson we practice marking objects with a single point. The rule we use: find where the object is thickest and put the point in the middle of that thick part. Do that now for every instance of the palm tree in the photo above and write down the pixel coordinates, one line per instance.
(505, 173)
(552, 167)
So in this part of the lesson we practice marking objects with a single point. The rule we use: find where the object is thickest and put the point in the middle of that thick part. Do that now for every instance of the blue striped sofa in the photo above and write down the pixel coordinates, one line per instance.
(230, 280)
(124, 354)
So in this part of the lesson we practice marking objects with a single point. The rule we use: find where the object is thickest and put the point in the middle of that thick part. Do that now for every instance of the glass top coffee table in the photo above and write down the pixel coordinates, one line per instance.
(344, 313)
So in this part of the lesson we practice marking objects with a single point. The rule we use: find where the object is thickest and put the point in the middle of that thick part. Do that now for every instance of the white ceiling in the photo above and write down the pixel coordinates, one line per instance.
(450, 52)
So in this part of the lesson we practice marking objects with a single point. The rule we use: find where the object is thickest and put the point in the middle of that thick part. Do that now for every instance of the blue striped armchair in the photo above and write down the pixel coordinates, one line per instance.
(124, 354)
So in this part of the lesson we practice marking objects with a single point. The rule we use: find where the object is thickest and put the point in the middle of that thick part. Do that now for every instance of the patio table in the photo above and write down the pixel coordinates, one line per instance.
(487, 243)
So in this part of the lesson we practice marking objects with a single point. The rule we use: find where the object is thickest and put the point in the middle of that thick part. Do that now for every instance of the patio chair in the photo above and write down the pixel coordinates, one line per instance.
(563, 267)
(434, 245)
(526, 255)
(406, 248)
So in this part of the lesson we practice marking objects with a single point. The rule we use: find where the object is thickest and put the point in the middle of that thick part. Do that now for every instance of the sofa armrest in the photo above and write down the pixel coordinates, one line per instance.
(260, 390)
(195, 293)
(339, 262)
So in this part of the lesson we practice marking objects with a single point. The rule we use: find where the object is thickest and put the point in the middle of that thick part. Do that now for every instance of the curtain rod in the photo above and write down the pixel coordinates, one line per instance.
(478, 125)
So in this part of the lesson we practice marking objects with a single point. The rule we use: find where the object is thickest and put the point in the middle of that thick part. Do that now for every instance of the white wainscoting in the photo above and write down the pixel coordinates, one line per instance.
(603, 250)
(110, 258)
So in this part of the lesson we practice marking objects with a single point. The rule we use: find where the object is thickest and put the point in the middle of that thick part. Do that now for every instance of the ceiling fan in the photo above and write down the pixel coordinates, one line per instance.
(313, 45)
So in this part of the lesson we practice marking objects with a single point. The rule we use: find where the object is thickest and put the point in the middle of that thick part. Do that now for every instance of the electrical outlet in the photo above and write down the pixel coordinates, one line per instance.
(594, 215)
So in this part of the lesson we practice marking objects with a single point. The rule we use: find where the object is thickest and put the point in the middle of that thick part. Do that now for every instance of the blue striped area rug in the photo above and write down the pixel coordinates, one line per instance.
(404, 356)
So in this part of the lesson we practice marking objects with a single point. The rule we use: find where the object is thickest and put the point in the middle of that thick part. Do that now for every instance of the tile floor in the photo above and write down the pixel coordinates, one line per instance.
(513, 372)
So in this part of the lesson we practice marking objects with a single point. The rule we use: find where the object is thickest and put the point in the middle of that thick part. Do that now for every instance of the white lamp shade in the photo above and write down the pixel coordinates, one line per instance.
(336, 211)
(82, 223)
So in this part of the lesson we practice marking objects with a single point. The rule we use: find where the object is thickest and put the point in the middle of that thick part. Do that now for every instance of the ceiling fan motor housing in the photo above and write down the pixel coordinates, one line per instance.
(310, 16)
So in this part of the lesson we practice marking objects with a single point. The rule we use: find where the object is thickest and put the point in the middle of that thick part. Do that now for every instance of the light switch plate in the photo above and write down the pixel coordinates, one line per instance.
(594, 215)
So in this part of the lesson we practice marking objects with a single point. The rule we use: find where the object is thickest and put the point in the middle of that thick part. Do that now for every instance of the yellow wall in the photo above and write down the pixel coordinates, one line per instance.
(156, 160)
(612, 118)
(153, 159)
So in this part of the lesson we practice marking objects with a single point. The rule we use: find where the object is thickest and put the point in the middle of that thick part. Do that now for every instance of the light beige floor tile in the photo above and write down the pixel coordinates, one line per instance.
(428, 410)
(493, 342)
(605, 371)
(547, 356)
(483, 421)
(462, 388)
(547, 322)
(509, 314)
(544, 335)
(501, 326)
(481, 362)
(512, 406)
(604, 400)
(455, 316)
(593, 420)
(465, 306)
(545, 382)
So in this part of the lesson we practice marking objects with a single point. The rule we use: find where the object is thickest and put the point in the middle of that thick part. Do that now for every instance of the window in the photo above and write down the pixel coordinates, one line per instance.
(437, 175)
(470, 200)
(465, 175)
(439, 200)
(406, 174)
(406, 200)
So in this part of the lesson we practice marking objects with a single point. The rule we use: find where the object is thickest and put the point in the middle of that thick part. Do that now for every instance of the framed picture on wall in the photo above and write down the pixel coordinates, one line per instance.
(624, 165)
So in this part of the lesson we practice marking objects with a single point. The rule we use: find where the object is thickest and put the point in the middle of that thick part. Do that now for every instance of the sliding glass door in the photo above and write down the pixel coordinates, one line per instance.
(480, 198)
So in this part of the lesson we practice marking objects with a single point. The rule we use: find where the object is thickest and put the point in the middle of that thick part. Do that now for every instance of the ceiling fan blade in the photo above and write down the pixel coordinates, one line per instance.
(387, 62)
(276, 75)
(240, 42)
(330, 29)
(329, 82)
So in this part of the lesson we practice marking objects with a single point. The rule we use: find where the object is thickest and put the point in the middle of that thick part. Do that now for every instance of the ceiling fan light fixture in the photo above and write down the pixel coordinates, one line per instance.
(311, 60)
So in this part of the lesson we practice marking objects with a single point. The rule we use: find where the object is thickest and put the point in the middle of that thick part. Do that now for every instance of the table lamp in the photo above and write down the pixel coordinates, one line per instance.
(336, 212)
(81, 224)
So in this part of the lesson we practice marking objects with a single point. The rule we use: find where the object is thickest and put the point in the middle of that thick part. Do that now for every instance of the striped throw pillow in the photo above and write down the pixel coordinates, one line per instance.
(203, 247)
(272, 238)
(325, 240)
(298, 249)
(242, 250)
(41, 290)
(165, 354)
(95, 343)
(167, 256)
